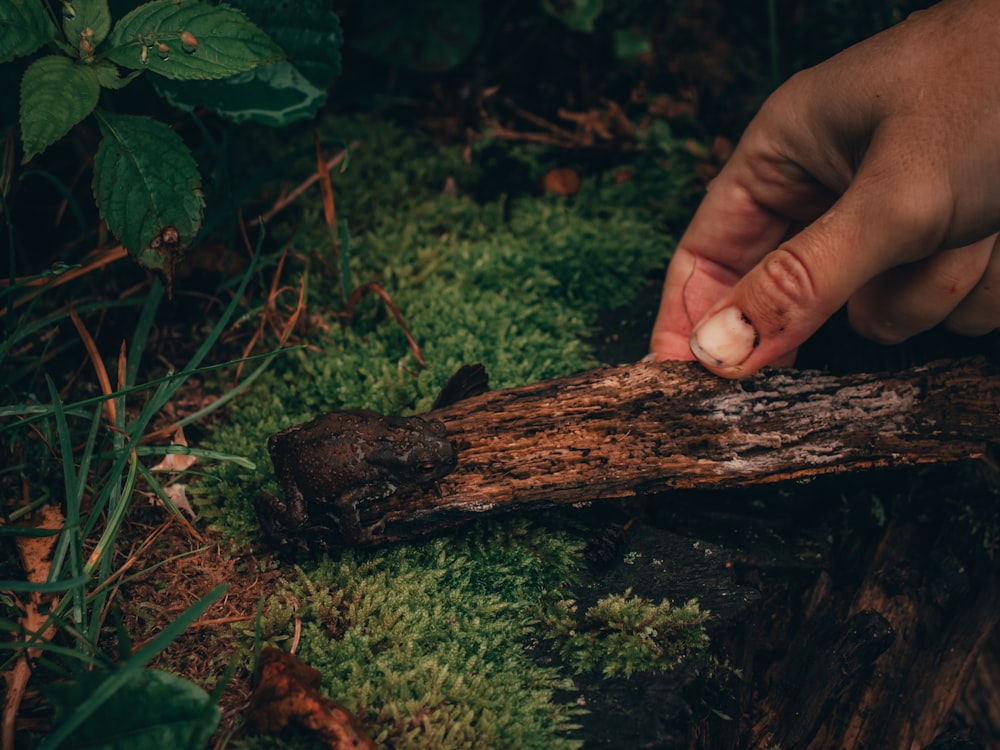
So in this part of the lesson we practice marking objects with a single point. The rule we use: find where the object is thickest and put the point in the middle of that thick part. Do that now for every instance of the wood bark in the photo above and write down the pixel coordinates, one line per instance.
(653, 427)
(886, 668)
(851, 636)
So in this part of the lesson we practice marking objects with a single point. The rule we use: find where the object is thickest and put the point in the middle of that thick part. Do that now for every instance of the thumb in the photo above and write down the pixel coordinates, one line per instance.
(795, 288)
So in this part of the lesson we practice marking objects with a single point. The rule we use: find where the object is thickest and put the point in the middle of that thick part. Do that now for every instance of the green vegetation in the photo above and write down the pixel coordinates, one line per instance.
(623, 634)
(146, 182)
(427, 641)
(516, 284)
(69, 551)
(431, 643)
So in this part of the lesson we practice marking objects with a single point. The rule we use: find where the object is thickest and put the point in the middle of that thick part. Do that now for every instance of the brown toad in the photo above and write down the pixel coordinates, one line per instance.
(329, 465)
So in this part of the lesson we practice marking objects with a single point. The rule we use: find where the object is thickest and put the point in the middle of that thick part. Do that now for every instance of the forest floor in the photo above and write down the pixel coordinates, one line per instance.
(476, 223)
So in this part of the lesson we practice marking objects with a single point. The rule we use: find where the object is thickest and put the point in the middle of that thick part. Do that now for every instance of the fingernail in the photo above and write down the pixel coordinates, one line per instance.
(724, 340)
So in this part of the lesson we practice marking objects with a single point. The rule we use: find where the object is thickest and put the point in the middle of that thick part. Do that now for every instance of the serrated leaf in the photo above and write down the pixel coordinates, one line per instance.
(282, 92)
(147, 188)
(110, 78)
(88, 25)
(275, 94)
(154, 710)
(24, 27)
(190, 40)
(56, 93)
(307, 30)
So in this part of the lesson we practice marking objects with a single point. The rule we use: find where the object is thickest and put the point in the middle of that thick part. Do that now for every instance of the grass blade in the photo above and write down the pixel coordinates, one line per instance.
(184, 450)
(143, 326)
(66, 584)
(69, 541)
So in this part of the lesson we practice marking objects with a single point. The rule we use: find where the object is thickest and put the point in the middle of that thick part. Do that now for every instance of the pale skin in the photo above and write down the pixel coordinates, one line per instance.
(872, 180)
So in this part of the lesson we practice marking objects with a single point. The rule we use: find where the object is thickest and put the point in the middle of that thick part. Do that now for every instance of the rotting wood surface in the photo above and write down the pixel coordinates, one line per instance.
(652, 427)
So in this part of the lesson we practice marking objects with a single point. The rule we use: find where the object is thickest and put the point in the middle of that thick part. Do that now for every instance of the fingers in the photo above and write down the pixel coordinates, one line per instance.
(728, 234)
(979, 313)
(885, 126)
(785, 297)
(693, 284)
(914, 298)
(894, 214)
(796, 288)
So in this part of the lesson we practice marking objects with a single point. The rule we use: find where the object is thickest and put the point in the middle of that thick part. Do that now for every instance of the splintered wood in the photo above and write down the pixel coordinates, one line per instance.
(653, 427)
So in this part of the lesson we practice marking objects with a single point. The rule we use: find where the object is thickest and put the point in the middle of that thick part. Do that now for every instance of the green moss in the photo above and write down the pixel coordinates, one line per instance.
(423, 642)
(623, 634)
(426, 642)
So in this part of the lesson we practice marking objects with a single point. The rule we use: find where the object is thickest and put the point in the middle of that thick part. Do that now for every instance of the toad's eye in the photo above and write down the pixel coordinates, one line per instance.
(427, 467)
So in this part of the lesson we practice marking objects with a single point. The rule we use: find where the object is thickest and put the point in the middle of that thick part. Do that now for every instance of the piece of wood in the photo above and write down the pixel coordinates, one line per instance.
(888, 671)
(651, 427)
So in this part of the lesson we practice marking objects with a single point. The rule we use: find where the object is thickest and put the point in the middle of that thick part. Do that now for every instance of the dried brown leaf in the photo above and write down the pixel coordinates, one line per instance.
(288, 692)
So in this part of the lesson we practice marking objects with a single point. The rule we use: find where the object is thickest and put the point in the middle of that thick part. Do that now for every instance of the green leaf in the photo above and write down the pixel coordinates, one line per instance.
(630, 43)
(87, 25)
(56, 93)
(147, 188)
(429, 36)
(24, 27)
(188, 39)
(578, 15)
(275, 94)
(282, 92)
(307, 30)
(154, 710)
(109, 76)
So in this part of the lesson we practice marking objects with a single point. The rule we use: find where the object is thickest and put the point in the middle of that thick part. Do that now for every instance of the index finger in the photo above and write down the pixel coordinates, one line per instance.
(730, 232)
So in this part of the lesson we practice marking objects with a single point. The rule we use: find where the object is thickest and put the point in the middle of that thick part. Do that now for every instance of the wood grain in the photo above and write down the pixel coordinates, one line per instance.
(652, 427)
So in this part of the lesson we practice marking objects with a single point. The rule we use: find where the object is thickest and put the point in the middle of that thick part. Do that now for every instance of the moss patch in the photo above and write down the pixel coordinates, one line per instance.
(623, 634)
(427, 642)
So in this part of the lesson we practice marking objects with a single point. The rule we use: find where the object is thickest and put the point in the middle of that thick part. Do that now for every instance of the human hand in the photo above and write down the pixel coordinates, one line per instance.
(871, 179)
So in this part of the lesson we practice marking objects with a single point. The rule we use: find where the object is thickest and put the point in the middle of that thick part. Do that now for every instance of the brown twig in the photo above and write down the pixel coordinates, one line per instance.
(375, 288)
(326, 189)
(95, 359)
(288, 198)
(95, 260)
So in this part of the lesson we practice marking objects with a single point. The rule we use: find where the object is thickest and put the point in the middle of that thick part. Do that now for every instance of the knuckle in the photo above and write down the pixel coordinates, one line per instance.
(876, 316)
(785, 289)
(920, 214)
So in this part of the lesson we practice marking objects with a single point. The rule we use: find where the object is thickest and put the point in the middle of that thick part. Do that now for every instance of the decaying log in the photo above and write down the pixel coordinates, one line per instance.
(927, 602)
(648, 428)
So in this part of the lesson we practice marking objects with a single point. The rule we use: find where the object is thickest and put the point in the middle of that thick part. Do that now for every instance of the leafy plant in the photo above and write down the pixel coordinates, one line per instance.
(146, 182)
(281, 92)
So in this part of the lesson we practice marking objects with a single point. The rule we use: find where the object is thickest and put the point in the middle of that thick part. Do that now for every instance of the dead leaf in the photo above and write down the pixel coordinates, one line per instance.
(177, 492)
(561, 181)
(177, 461)
(288, 692)
(36, 559)
(178, 496)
